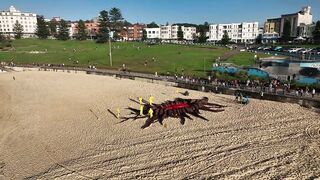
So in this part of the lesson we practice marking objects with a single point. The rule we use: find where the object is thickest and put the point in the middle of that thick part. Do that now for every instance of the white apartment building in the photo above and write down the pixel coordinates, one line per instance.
(238, 32)
(189, 33)
(153, 33)
(9, 18)
(170, 32)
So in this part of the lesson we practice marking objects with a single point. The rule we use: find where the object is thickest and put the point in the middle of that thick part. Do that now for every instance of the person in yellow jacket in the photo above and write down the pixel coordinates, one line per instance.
(141, 110)
(118, 113)
(150, 113)
(150, 100)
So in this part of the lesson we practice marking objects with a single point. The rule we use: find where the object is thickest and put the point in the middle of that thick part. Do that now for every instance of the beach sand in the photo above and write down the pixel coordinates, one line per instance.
(56, 125)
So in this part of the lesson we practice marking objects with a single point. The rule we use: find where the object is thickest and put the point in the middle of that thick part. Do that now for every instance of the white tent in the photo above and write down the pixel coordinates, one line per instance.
(299, 39)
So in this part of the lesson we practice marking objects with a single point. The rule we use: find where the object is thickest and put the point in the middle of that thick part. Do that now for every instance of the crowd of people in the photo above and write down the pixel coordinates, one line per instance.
(273, 86)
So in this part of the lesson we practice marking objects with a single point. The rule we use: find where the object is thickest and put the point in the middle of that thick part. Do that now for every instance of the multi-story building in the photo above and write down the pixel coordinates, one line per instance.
(153, 33)
(135, 32)
(124, 34)
(170, 32)
(92, 29)
(303, 17)
(73, 29)
(189, 33)
(9, 18)
(306, 31)
(272, 26)
(237, 32)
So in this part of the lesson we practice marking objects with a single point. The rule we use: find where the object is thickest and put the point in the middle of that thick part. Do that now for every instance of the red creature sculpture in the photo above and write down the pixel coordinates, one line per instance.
(179, 108)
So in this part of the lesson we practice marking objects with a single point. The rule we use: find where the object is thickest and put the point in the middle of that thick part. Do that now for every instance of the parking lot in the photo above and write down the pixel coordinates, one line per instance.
(300, 53)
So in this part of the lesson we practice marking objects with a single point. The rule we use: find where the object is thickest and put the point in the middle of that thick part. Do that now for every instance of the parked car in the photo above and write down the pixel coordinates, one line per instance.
(315, 51)
(285, 49)
(268, 48)
(294, 50)
(300, 51)
(277, 48)
(305, 51)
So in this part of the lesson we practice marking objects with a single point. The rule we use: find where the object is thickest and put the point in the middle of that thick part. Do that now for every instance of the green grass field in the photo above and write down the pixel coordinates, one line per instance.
(168, 57)
(245, 58)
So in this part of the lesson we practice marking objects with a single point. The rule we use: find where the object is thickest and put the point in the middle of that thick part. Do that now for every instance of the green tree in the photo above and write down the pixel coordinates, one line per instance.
(53, 24)
(152, 25)
(144, 35)
(103, 34)
(63, 30)
(82, 33)
(2, 38)
(259, 39)
(225, 38)
(180, 33)
(42, 30)
(126, 23)
(18, 30)
(116, 21)
(316, 33)
(202, 29)
(286, 36)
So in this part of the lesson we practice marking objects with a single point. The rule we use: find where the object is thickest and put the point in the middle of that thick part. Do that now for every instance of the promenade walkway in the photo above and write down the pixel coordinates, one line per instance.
(200, 84)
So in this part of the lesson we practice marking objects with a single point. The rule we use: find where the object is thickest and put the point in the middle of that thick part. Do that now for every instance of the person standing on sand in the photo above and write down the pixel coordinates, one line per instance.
(14, 78)
(151, 100)
(261, 94)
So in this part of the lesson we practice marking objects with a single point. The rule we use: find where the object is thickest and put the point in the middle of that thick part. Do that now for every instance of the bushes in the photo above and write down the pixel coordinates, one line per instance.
(5, 43)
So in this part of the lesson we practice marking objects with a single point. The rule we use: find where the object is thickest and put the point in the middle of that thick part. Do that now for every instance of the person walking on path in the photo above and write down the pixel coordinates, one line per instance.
(313, 92)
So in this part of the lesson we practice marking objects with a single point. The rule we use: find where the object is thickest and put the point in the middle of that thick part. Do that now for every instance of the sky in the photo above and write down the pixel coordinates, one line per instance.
(172, 11)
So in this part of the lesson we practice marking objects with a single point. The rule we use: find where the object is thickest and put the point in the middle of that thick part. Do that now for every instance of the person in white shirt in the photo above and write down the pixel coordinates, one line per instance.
(313, 92)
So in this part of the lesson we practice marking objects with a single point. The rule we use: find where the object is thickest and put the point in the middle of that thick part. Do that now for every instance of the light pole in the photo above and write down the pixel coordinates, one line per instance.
(110, 52)
(204, 59)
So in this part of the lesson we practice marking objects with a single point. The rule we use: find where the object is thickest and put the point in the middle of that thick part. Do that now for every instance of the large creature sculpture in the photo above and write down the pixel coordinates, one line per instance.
(179, 108)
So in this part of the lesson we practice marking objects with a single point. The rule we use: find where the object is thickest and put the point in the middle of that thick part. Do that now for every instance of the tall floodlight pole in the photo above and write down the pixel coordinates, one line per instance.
(110, 52)
(204, 59)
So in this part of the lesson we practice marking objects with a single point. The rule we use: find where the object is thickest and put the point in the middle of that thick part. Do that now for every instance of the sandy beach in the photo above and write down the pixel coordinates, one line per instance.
(55, 125)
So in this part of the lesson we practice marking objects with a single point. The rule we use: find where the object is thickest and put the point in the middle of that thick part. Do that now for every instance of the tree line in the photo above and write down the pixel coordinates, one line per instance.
(108, 21)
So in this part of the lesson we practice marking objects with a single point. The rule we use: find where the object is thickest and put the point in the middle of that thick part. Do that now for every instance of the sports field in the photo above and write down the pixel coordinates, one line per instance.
(139, 57)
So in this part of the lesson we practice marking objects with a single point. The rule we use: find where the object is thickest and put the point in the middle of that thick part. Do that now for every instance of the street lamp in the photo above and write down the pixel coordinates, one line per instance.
(110, 52)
